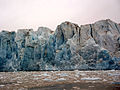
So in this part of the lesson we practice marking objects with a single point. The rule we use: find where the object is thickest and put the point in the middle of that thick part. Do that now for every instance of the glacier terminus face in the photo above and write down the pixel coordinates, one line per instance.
(87, 47)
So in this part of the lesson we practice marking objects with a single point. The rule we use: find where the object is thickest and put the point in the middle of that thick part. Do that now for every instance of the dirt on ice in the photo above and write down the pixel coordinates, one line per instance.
(60, 80)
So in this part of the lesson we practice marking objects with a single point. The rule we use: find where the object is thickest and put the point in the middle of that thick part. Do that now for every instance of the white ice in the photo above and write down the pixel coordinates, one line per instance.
(46, 79)
(92, 79)
(2, 85)
(61, 79)
(62, 74)
(45, 74)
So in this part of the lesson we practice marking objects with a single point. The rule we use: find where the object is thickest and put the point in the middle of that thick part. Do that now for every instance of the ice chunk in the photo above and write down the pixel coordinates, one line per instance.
(82, 74)
(36, 75)
(61, 79)
(62, 74)
(19, 82)
(1, 77)
(47, 79)
(104, 80)
(91, 79)
(2, 85)
(45, 74)
(36, 78)
(77, 75)
(114, 74)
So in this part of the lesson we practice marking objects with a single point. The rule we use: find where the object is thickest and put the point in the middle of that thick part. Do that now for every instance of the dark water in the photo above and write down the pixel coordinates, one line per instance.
(81, 86)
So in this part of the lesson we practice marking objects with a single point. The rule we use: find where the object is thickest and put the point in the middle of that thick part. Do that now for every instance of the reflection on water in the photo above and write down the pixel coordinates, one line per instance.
(81, 86)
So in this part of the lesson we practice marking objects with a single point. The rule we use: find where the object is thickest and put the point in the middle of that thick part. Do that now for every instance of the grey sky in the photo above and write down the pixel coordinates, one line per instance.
(19, 14)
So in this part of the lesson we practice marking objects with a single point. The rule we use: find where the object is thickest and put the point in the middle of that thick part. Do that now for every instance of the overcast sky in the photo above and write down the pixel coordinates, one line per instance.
(19, 14)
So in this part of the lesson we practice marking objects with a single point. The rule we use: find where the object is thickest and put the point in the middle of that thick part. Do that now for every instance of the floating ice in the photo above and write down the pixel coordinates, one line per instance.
(62, 74)
(36, 78)
(89, 78)
(104, 80)
(46, 79)
(2, 85)
(16, 78)
(61, 79)
(76, 70)
(52, 71)
(112, 70)
(45, 74)
(91, 86)
(22, 89)
(114, 74)
(1, 77)
(82, 74)
(36, 75)
(76, 81)
(77, 75)
(16, 84)
(19, 82)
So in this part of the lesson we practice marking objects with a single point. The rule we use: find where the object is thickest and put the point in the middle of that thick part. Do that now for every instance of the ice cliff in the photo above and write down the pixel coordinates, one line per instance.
(87, 47)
